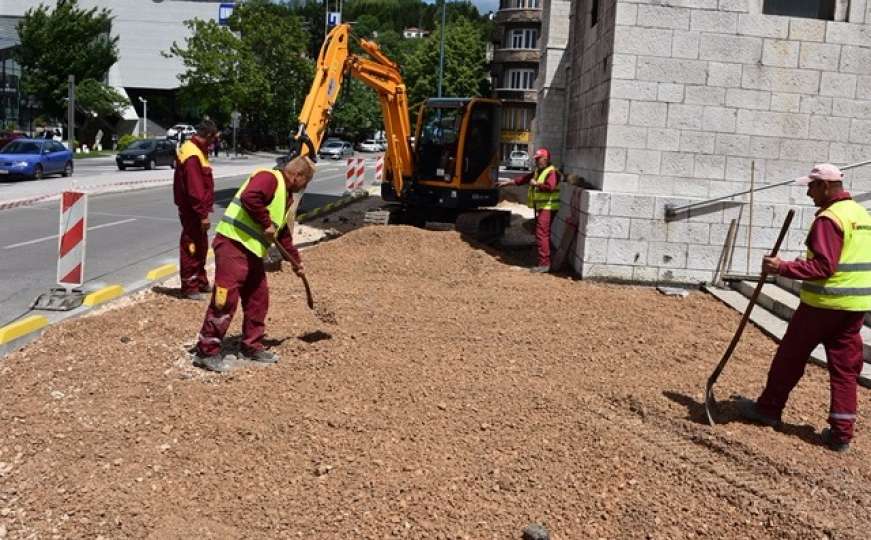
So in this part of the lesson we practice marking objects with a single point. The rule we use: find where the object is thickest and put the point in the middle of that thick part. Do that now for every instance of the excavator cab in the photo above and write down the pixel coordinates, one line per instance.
(455, 155)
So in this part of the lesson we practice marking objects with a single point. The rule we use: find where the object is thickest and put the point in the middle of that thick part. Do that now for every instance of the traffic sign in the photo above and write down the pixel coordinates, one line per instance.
(334, 18)
(225, 10)
(234, 118)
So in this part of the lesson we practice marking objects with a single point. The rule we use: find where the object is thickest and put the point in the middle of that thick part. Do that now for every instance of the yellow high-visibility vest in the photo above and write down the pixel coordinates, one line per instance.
(238, 224)
(543, 200)
(849, 289)
(189, 149)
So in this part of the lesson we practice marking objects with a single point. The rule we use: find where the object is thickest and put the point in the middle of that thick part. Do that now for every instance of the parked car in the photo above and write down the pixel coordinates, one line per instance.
(35, 158)
(518, 159)
(180, 129)
(147, 153)
(369, 145)
(8, 136)
(336, 150)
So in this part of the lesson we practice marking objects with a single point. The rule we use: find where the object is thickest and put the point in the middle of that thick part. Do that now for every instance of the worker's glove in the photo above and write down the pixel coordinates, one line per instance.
(771, 265)
(504, 183)
(269, 234)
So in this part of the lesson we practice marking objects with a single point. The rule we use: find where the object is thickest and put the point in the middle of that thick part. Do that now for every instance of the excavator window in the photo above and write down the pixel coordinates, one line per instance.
(437, 147)
(481, 141)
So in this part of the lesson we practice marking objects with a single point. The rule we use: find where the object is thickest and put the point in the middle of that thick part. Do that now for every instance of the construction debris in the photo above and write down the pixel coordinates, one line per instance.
(455, 397)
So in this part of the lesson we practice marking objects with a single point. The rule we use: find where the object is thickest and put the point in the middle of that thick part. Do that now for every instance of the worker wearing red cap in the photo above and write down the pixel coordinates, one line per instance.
(835, 295)
(543, 198)
(194, 194)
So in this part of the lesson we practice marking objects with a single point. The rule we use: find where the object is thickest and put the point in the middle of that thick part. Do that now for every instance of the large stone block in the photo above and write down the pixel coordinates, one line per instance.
(638, 40)
(640, 90)
(626, 14)
(649, 230)
(608, 272)
(667, 255)
(848, 33)
(632, 206)
(710, 166)
(720, 119)
(797, 149)
(863, 87)
(732, 145)
(618, 111)
(648, 113)
(807, 29)
(620, 182)
(780, 79)
(816, 105)
(773, 124)
(724, 48)
(742, 6)
(687, 232)
(763, 26)
(823, 56)
(779, 52)
(703, 257)
(838, 84)
(697, 141)
(723, 74)
(851, 108)
(692, 187)
(596, 202)
(607, 227)
(615, 159)
(673, 70)
(765, 147)
(705, 95)
(738, 169)
(643, 161)
(627, 136)
(664, 17)
(782, 102)
(595, 250)
(714, 21)
(632, 252)
(670, 93)
(860, 132)
(855, 60)
(623, 66)
(830, 128)
(685, 44)
(677, 163)
(685, 116)
(679, 275)
(748, 99)
(663, 139)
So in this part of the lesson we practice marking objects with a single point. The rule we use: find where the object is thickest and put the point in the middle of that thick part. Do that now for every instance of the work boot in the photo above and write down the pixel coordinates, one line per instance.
(834, 446)
(540, 269)
(206, 289)
(211, 363)
(263, 356)
(749, 411)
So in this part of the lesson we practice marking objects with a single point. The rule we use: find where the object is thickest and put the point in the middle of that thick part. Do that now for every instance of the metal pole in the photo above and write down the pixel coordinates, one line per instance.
(442, 48)
(750, 218)
(145, 115)
(71, 111)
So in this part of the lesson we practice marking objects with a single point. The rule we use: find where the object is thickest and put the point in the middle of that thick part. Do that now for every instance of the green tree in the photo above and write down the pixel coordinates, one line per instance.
(357, 112)
(465, 68)
(63, 41)
(97, 98)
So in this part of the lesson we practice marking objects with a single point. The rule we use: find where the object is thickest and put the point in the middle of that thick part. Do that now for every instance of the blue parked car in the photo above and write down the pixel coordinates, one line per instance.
(35, 158)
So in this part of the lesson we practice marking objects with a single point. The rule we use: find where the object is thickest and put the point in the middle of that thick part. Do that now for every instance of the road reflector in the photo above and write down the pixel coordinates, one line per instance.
(161, 272)
(103, 295)
(21, 328)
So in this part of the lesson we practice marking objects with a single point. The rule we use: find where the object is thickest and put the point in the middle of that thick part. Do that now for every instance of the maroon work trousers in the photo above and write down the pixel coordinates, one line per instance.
(193, 246)
(543, 221)
(239, 273)
(838, 331)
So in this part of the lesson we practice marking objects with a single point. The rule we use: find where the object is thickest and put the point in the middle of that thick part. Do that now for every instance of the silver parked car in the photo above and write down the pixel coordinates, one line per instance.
(336, 150)
(518, 160)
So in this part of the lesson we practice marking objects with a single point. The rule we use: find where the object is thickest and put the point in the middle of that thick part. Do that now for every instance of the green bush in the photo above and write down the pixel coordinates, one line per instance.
(126, 140)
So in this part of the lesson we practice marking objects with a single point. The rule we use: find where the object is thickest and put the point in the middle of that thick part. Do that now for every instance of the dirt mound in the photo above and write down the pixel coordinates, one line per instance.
(455, 396)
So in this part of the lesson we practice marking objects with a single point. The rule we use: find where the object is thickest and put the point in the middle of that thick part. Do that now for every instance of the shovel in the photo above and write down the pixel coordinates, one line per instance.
(710, 401)
(309, 300)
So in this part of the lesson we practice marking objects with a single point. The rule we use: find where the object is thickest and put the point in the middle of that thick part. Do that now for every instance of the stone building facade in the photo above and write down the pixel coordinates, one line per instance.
(656, 103)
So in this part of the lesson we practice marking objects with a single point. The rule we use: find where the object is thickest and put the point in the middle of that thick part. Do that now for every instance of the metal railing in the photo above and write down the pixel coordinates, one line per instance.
(672, 211)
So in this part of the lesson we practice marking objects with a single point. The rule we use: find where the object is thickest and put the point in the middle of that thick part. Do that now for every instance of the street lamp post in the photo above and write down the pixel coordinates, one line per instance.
(144, 116)
(442, 48)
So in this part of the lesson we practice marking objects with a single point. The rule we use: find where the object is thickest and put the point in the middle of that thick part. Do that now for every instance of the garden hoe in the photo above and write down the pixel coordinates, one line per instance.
(710, 401)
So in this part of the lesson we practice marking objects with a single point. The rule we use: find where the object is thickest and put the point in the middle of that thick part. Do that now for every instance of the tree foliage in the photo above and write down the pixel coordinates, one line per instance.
(97, 98)
(256, 65)
(63, 41)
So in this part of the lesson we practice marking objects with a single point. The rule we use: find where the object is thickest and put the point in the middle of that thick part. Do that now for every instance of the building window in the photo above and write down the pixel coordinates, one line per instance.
(810, 9)
(594, 13)
(519, 4)
(519, 79)
(523, 38)
(517, 119)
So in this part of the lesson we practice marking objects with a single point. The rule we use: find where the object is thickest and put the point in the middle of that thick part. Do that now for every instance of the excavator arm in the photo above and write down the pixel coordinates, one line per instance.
(379, 73)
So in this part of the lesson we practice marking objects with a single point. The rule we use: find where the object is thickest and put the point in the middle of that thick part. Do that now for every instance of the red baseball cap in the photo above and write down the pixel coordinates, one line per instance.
(825, 172)
(541, 152)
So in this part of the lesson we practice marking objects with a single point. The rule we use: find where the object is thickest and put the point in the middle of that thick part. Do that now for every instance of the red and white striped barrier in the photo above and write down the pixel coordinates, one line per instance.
(379, 169)
(355, 173)
(71, 239)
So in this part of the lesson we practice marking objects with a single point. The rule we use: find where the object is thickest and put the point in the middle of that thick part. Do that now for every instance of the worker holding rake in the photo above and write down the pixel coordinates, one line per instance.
(835, 294)
(254, 219)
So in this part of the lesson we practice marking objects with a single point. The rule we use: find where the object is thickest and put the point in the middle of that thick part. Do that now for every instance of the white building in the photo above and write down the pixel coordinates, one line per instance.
(672, 103)
(145, 29)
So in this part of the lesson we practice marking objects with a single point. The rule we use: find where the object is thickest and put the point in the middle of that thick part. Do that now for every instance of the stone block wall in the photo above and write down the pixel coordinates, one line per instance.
(698, 92)
(549, 126)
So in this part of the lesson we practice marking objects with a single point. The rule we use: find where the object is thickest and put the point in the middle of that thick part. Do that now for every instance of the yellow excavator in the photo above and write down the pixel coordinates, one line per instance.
(444, 173)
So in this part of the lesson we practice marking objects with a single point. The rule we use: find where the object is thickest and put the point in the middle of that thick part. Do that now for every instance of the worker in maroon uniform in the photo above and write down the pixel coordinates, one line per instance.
(835, 295)
(543, 197)
(194, 194)
(255, 218)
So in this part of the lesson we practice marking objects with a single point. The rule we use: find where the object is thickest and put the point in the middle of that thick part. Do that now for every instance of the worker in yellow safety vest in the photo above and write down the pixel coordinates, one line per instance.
(254, 219)
(543, 197)
(835, 295)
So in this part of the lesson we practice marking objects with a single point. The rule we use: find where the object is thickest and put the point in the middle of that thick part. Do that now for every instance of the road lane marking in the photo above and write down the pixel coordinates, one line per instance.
(44, 238)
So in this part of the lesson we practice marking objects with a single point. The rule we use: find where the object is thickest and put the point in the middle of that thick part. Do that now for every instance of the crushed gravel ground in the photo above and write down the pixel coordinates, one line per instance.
(453, 396)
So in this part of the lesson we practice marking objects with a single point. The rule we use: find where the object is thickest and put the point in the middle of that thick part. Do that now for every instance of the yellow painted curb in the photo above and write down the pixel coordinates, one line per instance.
(21, 328)
(103, 295)
(161, 272)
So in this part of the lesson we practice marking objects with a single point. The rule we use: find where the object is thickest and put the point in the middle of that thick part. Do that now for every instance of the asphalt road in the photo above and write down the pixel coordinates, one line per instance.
(128, 234)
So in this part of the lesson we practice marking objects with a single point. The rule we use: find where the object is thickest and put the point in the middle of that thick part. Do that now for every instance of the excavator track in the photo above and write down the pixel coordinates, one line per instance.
(477, 225)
